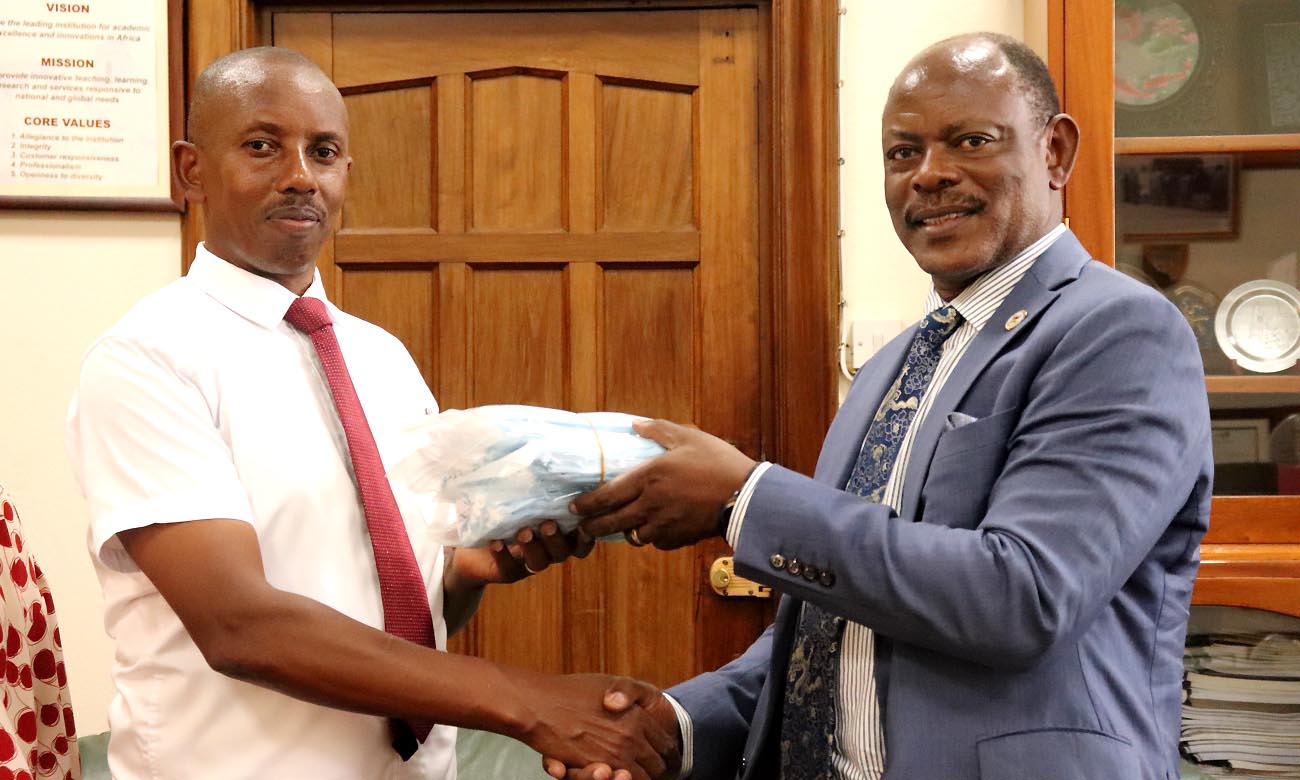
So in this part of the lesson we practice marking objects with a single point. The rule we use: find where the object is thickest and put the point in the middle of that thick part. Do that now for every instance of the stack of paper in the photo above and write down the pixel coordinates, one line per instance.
(1241, 715)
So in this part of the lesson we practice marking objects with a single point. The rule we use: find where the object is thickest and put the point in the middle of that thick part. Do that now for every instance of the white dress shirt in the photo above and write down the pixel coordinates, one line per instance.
(203, 403)
(859, 739)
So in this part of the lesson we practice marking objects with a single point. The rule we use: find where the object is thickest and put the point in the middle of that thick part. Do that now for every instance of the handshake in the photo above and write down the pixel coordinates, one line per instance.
(595, 726)
(599, 727)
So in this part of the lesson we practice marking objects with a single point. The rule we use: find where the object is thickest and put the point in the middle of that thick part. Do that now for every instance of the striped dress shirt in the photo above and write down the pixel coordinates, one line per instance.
(859, 738)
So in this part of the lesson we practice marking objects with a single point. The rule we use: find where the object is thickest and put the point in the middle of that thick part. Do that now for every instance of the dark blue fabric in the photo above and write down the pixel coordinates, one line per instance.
(812, 678)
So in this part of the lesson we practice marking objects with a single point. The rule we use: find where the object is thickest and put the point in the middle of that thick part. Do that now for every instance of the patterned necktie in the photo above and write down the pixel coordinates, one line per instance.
(401, 585)
(808, 726)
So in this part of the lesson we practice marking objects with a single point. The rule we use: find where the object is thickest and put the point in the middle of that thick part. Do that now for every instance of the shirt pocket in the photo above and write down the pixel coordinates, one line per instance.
(1059, 754)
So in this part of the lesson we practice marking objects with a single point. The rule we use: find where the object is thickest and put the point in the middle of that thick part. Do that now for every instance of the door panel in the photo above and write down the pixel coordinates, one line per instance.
(391, 131)
(649, 313)
(515, 121)
(402, 298)
(516, 347)
(561, 208)
(647, 164)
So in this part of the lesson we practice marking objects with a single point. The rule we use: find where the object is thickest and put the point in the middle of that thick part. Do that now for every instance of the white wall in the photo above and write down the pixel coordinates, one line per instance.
(64, 278)
(880, 279)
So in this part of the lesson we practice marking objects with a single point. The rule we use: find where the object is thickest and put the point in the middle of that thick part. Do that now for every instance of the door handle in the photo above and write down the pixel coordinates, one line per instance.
(726, 583)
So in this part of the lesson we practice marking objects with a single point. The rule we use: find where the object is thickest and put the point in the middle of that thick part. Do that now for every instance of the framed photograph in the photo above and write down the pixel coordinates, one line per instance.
(90, 102)
(1240, 441)
(1176, 197)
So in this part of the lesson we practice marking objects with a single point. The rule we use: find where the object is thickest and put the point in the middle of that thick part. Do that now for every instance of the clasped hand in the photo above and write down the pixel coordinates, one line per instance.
(637, 705)
(603, 727)
(672, 500)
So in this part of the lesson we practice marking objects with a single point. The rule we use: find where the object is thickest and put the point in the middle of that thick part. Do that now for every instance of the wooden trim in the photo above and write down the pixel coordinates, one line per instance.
(1275, 594)
(91, 204)
(1087, 94)
(799, 183)
(176, 82)
(1207, 144)
(1250, 385)
(1249, 558)
(1260, 569)
(805, 205)
(766, 334)
(385, 86)
(408, 6)
(1254, 520)
(1056, 44)
(425, 246)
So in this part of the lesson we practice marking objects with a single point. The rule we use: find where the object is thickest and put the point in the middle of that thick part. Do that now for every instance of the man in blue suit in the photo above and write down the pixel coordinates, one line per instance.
(989, 576)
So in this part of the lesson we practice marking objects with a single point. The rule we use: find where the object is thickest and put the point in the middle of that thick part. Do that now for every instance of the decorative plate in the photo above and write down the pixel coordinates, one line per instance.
(1157, 48)
(1258, 325)
(1198, 305)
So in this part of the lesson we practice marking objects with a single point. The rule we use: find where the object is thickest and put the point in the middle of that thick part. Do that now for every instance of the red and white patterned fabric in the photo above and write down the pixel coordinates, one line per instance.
(37, 731)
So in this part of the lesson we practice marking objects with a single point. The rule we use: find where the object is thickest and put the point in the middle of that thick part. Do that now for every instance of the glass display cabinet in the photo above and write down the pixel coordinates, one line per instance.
(1189, 181)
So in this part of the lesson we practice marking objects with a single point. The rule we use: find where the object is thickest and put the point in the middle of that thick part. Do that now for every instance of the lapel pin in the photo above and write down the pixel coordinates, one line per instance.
(1016, 319)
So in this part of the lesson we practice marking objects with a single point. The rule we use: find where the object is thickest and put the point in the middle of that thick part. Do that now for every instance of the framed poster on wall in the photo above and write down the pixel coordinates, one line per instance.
(90, 101)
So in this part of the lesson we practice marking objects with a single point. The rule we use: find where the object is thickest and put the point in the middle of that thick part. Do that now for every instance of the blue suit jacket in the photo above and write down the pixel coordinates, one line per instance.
(1035, 583)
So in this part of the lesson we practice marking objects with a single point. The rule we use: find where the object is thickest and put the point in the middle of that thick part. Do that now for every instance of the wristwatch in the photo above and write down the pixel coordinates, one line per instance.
(724, 516)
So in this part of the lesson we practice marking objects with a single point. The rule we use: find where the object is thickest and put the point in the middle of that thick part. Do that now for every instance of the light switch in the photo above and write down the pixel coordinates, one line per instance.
(866, 337)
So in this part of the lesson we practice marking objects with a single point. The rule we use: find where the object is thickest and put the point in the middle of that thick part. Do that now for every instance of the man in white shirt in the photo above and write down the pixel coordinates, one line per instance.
(228, 527)
(988, 577)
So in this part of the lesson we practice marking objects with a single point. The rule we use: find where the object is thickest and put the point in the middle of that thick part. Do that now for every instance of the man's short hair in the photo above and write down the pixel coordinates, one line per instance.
(1034, 77)
(227, 71)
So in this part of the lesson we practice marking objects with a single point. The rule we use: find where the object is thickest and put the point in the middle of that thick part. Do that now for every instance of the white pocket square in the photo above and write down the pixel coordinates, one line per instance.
(957, 420)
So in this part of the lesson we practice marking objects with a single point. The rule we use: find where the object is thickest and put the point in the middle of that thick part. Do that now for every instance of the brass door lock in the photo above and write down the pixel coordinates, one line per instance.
(726, 583)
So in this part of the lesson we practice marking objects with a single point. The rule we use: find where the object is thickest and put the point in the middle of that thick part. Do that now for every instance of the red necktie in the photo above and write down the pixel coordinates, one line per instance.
(401, 585)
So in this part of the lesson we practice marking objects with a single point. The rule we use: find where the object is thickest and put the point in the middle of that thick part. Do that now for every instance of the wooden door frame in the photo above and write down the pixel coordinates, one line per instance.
(799, 185)
(1086, 85)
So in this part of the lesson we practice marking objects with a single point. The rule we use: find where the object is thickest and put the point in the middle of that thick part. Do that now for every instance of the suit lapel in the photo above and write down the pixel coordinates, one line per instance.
(1040, 286)
(844, 439)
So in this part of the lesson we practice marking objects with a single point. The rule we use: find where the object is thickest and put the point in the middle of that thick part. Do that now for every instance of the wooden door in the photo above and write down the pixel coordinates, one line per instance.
(561, 208)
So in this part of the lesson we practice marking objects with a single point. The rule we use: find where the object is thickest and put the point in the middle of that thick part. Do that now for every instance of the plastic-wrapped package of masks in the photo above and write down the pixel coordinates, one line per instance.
(505, 468)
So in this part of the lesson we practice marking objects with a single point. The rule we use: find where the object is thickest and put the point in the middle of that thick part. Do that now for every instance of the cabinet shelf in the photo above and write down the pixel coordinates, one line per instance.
(1285, 144)
(1227, 384)
(1251, 555)
(1253, 392)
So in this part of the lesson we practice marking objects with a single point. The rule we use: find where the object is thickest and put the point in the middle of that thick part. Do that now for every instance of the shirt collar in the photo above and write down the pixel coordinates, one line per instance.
(252, 297)
(982, 297)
